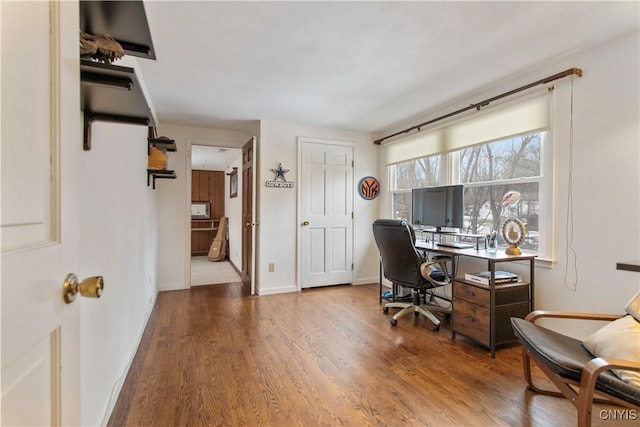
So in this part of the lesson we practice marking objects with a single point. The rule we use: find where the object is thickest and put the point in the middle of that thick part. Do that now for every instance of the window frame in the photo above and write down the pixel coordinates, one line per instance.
(450, 175)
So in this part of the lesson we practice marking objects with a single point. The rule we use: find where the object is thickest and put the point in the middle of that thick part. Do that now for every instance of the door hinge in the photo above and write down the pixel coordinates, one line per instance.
(352, 266)
(352, 164)
(352, 217)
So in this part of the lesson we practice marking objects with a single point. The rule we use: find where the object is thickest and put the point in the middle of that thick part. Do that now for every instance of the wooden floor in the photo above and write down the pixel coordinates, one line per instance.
(326, 356)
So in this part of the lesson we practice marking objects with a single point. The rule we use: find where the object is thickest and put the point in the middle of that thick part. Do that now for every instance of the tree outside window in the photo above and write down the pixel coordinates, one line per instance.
(488, 171)
(404, 176)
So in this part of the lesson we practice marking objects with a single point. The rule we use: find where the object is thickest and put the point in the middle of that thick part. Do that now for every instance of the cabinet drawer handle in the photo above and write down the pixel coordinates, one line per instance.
(471, 293)
(468, 318)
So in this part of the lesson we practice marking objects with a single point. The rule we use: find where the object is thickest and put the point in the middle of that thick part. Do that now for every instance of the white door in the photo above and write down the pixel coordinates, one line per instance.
(325, 237)
(41, 148)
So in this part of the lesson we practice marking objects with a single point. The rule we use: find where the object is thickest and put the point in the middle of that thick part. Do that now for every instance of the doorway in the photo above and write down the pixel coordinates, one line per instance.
(215, 244)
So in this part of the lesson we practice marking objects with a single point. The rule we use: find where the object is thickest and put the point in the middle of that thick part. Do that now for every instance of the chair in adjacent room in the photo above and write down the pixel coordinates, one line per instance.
(405, 265)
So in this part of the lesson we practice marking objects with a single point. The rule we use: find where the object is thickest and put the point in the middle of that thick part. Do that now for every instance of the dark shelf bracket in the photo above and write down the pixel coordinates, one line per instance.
(135, 49)
(162, 142)
(106, 81)
(159, 174)
(89, 119)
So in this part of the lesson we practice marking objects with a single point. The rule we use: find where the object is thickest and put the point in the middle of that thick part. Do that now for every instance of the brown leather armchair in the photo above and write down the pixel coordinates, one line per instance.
(578, 374)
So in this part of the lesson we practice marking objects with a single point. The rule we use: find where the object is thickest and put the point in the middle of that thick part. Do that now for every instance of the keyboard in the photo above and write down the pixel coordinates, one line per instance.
(457, 245)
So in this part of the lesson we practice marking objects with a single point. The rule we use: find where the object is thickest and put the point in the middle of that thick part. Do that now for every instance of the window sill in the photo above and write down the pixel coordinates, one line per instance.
(539, 261)
(545, 262)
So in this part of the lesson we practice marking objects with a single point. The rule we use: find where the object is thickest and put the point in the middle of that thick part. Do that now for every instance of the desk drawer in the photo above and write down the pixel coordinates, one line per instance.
(473, 294)
(471, 320)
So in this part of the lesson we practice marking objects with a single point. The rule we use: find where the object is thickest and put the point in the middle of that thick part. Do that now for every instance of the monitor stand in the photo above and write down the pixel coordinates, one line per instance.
(447, 230)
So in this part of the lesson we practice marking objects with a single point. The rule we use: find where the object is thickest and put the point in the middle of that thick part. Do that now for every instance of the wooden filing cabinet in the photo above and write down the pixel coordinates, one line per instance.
(483, 313)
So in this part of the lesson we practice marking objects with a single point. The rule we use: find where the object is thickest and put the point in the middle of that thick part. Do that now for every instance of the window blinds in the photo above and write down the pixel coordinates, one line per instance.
(507, 120)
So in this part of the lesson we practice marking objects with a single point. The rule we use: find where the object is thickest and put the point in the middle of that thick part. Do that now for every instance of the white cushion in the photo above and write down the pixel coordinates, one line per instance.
(633, 306)
(620, 339)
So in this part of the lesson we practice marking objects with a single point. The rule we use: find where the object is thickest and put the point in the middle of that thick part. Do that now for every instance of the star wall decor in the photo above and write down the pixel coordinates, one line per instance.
(280, 181)
(280, 173)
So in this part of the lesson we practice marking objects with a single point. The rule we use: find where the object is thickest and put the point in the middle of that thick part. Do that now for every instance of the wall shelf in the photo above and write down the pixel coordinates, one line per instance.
(125, 21)
(163, 143)
(154, 174)
(113, 93)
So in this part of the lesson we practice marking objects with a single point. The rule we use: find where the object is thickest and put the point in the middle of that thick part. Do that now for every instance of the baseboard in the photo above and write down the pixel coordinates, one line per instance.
(366, 280)
(280, 290)
(234, 267)
(117, 387)
(172, 287)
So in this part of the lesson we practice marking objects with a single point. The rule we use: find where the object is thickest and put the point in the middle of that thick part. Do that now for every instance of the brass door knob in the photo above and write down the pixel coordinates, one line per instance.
(90, 287)
(305, 223)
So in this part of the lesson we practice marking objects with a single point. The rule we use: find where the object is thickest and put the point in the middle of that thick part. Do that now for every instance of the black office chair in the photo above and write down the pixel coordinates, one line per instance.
(406, 266)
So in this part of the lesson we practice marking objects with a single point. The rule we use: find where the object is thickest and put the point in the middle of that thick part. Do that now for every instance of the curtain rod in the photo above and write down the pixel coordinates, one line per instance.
(479, 105)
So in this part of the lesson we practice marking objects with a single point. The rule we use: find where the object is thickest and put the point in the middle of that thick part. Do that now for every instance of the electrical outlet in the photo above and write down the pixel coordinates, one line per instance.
(272, 267)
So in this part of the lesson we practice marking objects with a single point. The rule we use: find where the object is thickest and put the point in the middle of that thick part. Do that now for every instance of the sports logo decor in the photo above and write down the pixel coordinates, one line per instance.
(369, 188)
(280, 181)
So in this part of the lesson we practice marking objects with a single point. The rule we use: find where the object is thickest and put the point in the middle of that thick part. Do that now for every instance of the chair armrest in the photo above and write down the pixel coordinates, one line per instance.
(539, 314)
(595, 366)
(425, 271)
(590, 374)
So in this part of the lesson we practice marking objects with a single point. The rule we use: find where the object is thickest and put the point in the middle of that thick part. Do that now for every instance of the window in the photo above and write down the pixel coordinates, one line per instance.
(490, 170)
(404, 176)
(487, 171)
(503, 148)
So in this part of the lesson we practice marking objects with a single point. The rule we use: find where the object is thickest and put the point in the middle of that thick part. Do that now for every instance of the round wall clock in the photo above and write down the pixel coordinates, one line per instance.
(513, 232)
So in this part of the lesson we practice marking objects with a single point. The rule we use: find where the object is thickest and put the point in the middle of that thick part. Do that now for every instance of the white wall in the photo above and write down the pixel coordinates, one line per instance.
(606, 180)
(118, 241)
(276, 234)
(278, 206)
(174, 227)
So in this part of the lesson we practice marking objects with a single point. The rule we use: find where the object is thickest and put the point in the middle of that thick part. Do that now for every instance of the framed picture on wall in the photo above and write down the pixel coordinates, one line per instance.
(201, 210)
(233, 183)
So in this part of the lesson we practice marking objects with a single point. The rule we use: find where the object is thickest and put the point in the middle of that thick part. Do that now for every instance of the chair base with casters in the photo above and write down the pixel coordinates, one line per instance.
(416, 308)
(435, 272)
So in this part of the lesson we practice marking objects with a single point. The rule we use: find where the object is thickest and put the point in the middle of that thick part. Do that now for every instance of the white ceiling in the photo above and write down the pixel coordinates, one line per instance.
(213, 158)
(353, 65)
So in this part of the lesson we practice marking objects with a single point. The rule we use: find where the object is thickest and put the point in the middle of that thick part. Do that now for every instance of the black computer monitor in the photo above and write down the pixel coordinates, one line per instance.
(439, 207)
